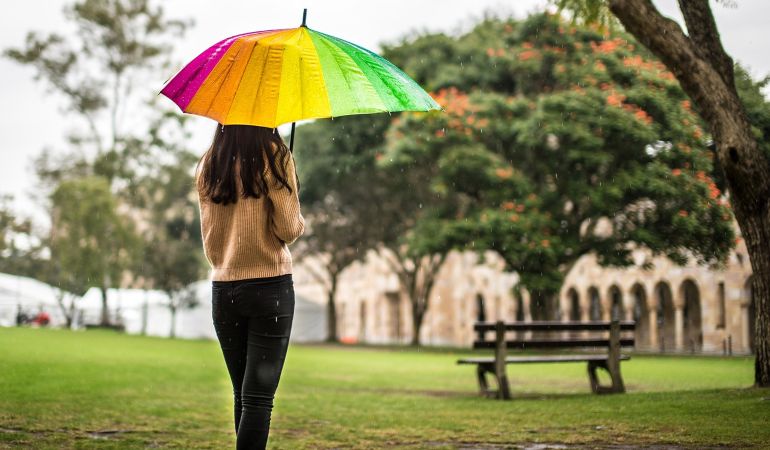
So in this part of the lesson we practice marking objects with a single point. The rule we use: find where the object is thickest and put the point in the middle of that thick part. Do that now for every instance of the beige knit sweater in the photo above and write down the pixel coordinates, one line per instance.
(248, 239)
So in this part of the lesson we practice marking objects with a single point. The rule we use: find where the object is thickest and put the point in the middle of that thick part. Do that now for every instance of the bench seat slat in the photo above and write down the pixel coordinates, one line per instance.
(555, 326)
(539, 359)
(553, 343)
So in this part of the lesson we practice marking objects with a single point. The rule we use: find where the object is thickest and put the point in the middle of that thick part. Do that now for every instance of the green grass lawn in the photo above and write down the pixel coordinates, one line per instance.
(100, 389)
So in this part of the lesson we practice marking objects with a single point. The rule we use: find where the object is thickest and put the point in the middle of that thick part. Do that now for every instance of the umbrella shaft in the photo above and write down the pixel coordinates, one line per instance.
(291, 140)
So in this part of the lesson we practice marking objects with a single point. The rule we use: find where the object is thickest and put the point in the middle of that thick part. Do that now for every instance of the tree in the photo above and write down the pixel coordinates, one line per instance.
(117, 45)
(91, 244)
(355, 202)
(118, 42)
(556, 142)
(171, 240)
(410, 211)
(706, 73)
(14, 231)
(336, 161)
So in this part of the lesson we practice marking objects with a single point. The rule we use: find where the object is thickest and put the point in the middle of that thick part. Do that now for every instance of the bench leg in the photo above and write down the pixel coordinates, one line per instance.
(502, 392)
(481, 371)
(617, 381)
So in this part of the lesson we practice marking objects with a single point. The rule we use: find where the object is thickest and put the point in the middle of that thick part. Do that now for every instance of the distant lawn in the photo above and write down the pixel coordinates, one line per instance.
(100, 389)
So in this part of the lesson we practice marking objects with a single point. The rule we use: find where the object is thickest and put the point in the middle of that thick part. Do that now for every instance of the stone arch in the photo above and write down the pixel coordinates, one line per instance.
(641, 315)
(594, 304)
(666, 317)
(615, 302)
(751, 314)
(481, 312)
(573, 299)
(692, 317)
(362, 335)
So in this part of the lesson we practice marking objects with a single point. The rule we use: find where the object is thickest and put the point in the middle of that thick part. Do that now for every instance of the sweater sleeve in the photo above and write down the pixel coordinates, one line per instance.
(287, 222)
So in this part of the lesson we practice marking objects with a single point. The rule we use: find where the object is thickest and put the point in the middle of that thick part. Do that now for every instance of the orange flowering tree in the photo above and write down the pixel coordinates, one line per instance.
(556, 141)
(735, 116)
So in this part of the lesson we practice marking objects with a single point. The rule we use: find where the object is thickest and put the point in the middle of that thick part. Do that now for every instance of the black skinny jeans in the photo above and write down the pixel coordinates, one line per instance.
(252, 319)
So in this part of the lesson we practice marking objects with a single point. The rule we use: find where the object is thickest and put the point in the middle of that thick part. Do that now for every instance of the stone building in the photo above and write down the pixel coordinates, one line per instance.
(688, 308)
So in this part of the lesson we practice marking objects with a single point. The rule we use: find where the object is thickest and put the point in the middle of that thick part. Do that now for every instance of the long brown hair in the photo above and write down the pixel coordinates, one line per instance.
(251, 149)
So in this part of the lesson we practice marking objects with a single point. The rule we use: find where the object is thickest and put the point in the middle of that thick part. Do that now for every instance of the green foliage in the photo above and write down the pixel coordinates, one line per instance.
(171, 255)
(10, 227)
(146, 166)
(90, 242)
(757, 106)
(118, 42)
(341, 191)
(556, 142)
(588, 11)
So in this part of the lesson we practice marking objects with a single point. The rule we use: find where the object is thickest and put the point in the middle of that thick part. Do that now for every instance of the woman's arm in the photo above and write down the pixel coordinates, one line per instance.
(287, 221)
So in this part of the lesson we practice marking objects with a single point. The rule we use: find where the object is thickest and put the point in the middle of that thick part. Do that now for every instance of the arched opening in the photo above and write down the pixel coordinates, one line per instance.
(362, 323)
(693, 333)
(574, 305)
(616, 303)
(666, 317)
(751, 314)
(481, 313)
(595, 305)
(641, 316)
(394, 311)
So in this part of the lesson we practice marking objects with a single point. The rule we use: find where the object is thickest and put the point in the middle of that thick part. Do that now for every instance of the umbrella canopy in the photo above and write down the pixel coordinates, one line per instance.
(269, 78)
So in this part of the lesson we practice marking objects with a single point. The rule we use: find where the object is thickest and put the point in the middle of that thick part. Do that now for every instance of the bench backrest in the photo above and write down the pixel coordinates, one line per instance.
(552, 340)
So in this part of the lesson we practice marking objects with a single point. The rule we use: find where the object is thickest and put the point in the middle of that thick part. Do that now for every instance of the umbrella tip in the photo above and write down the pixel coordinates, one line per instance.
(304, 17)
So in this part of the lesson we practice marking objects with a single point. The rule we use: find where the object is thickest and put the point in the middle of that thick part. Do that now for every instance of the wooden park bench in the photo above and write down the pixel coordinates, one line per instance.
(551, 336)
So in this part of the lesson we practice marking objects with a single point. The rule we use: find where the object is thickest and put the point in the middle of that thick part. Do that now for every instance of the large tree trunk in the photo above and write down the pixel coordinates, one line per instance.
(105, 319)
(417, 317)
(172, 332)
(705, 72)
(331, 310)
(68, 314)
(542, 305)
(421, 286)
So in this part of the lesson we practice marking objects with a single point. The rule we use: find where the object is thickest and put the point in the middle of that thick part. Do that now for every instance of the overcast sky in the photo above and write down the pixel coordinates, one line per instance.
(32, 119)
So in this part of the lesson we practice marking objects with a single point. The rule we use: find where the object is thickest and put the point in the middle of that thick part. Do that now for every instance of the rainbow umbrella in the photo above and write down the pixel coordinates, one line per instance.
(272, 77)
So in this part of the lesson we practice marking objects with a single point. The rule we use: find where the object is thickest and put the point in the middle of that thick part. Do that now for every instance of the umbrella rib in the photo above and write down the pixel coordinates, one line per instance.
(240, 80)
(219, 89)
(344, 74)
(391, 68)
(261, 79)
(333, 39)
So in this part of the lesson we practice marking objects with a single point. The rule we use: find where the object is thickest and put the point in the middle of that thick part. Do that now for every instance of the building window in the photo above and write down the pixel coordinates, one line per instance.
(481, 315)
(574, 306)
(595, 307)
(722, 306)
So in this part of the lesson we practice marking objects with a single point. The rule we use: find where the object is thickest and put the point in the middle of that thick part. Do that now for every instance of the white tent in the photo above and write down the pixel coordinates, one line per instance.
(29, 296)
(140, 311)
(127, 307)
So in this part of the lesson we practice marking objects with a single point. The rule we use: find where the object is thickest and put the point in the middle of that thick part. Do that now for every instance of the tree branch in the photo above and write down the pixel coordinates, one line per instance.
(319, 277)
(717, 102)
(703, 32)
